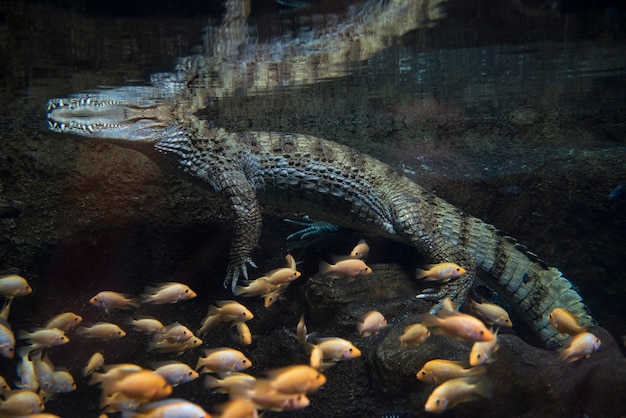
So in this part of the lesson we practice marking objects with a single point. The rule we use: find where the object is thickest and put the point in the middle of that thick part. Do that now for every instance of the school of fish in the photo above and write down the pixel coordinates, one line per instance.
(144, 391)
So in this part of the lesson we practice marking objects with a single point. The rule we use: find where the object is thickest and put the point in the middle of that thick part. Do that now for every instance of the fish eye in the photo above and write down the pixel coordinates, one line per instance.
(423, 373)
(478, 355)
(437, 401)
(481, 332)
(186, 290)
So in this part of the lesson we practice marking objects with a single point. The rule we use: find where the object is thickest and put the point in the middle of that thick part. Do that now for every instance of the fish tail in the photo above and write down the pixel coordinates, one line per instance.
(146, 298)
(22, 335)
(324, 267)
(239, 290)
(421, 274)
(429, 320)
(308, 348)
(96, 378)
(484, 388)
(134, 303)
(211, 382)
(477, 371)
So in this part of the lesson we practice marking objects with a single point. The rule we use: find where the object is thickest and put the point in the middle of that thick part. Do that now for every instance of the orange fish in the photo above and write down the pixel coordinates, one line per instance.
(244, 336)
(349, 267)
(21, 402)
(64, 321)
(299, 378)
(257, 287)
(440, 272)
(171, 292)
(361, 250)
(458, 325)
(238, 408)
(101, 330)
(437, 371)
(230, 382)
(301, 331)
(335, 349)
(266, 397)
(224, 311)
(414, 335)
(482, 351)
(581, 346)
(316, 357)
(94, 363)
(371, 323)
(282, 276)
(44, 337)
(146, 324)
(492, 313)
(222, 359)
(13, 285)
(565, 322)
(270, 298)
(108, 300)
(169, 408)
(143, 386)
(455, 391)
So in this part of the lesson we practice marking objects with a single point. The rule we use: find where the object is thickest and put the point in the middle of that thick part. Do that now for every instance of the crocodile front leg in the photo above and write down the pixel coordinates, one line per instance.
(235, 187)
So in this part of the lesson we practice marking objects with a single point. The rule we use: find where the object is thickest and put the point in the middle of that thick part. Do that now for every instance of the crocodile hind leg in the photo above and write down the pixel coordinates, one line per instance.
(415, 222)
(456, 289)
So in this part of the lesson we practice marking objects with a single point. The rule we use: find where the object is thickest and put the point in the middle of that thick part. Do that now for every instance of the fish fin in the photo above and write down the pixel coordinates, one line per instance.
(95, 378)
(134, 303)
(338, 258)
(324, 267)
(221, 303)
(429, 320)
(291, 262)
(146, 298)
(478, 371)
(484, 388)
(22, 335)
(447, 305)
(308, 347)
(212, 383)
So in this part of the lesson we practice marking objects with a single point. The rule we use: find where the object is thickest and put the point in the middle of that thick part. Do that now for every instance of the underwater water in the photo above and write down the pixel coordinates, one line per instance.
(513, 113)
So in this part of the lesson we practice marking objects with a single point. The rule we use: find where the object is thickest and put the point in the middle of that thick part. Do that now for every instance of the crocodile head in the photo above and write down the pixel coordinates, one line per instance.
(127, 115)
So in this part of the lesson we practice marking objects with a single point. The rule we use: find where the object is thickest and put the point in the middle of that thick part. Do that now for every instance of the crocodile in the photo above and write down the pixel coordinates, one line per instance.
(298, 172)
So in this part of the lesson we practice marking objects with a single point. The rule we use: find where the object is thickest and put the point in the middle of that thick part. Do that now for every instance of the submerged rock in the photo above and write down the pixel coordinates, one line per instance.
(528, 381)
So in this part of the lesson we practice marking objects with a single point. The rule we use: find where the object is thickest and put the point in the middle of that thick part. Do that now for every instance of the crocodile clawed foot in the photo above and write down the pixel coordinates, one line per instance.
(452, 290)
(311, 228)
(236, 271)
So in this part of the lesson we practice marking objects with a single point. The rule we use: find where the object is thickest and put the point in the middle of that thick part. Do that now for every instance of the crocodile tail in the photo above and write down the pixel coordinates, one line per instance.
(520, 276)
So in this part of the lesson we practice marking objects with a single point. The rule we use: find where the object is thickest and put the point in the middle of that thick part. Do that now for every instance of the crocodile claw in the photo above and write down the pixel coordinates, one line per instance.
(240, 270)
(455, 290)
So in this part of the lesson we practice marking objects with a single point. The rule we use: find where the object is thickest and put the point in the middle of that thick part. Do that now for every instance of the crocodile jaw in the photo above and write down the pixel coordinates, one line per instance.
(124, 114)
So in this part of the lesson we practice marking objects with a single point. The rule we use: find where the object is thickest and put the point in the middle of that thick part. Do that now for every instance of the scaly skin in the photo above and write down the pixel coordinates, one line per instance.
(296, 172)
